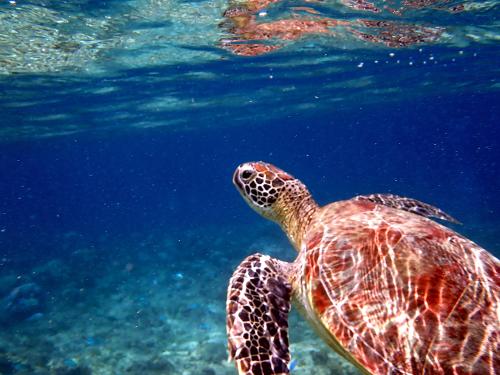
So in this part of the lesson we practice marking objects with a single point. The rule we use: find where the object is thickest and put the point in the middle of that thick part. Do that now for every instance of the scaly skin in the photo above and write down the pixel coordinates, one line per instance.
(391, 291)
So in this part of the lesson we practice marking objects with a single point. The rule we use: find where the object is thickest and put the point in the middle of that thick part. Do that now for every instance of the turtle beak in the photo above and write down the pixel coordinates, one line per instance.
(236, 180)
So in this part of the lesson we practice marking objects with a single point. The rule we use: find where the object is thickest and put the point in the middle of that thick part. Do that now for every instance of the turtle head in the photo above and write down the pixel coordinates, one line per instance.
(275, 194)
(261, 184)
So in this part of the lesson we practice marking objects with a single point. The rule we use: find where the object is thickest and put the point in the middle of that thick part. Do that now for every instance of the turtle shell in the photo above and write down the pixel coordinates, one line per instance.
(398, 293)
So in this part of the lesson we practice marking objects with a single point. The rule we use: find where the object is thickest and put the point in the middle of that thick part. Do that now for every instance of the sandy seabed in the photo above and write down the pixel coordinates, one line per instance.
(153, 305)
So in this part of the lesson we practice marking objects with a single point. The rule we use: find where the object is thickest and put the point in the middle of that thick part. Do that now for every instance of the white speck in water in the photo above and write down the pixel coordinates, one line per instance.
(262, 14)
(376, 61)
(392, 54)
(460, 52)
(360, 65)
(179, 276)
(410, 63)
(431, 57)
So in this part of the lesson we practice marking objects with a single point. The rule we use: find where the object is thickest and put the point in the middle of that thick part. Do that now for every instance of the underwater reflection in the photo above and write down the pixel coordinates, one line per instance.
(250, 37)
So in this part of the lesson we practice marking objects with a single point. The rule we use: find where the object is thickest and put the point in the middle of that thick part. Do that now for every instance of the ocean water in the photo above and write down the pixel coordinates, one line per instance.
(121, 123)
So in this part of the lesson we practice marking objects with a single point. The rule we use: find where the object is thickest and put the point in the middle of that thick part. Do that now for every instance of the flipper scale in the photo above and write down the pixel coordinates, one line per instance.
(258, 304)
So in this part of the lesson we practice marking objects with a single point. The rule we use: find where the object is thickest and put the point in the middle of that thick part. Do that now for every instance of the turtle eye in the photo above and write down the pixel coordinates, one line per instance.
(246, 174)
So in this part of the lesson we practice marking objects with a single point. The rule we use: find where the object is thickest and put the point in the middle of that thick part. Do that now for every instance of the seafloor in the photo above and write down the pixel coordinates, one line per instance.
(145, 304)
(141, 305)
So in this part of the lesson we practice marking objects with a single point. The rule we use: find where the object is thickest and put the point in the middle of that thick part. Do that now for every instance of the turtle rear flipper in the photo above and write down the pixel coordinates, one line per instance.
(258, 303)
(408, 204)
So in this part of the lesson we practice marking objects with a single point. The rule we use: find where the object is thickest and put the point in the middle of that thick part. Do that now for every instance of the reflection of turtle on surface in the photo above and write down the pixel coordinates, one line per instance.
(248, 37)
(252, 38)
(386, 287)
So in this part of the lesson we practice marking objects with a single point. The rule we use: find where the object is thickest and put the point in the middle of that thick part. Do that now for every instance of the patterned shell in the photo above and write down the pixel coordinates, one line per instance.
(401, 293)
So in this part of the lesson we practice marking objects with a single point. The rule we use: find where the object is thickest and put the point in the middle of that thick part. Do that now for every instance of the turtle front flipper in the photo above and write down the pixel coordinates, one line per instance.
(258, 302)
(408, 204)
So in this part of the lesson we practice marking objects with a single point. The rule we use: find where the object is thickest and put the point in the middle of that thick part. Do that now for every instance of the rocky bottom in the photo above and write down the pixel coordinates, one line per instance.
(154, 307)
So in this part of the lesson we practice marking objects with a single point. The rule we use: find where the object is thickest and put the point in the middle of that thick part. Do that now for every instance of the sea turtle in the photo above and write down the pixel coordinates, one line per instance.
(385, 286)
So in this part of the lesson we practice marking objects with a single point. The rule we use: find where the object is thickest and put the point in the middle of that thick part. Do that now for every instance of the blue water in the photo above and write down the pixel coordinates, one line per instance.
(122, 123)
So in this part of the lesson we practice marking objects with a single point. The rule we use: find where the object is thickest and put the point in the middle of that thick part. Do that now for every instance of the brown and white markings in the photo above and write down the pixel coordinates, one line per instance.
(257, 316)
(386, 287)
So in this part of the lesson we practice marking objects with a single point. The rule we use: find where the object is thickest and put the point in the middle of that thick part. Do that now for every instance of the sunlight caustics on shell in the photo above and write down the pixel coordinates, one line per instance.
(386, 287)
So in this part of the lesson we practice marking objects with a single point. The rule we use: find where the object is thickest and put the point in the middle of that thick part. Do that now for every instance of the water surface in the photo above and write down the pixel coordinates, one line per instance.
(121, 125)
